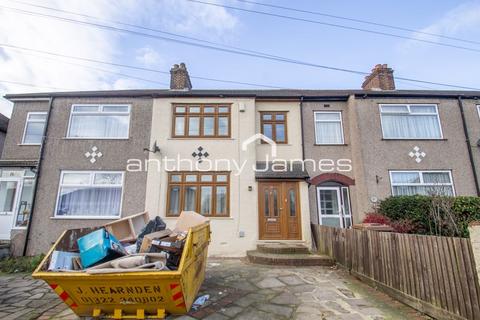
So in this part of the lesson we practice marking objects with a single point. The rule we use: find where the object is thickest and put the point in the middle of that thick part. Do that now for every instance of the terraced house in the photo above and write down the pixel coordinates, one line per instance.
(262, 164)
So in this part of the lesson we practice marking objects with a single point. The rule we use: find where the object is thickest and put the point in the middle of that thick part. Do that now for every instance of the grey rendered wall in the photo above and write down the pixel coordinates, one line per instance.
(472, 120)
(68, 154)
(318, 152)
(13, 148)
(380, 156)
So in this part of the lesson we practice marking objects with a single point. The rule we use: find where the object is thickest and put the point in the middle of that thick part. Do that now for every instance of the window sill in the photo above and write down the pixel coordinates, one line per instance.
(86, 218)
(29, 144)
(210, 218)
(201, 138)
(329, 145)
(414, 139)
(19, 228)
(71, 138)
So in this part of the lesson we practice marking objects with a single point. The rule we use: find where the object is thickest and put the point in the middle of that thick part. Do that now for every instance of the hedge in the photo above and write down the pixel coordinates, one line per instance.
(433, 215)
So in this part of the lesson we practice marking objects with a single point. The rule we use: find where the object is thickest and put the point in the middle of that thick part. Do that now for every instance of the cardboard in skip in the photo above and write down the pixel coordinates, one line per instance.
(148, 238)
(62, 261)
(99, 246)
(188, 219)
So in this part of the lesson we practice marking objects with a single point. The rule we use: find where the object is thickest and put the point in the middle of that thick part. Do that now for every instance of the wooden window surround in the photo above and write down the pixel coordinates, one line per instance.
(201, 121)
(207, 193)
(274, 125)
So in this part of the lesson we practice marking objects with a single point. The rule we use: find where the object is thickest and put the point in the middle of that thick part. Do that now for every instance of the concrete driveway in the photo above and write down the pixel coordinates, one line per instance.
(238, 290)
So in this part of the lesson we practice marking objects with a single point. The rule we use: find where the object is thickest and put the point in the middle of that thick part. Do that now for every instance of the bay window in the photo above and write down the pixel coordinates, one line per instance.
(206, 193)
(99, 122)
(410, 121)
(90, 194)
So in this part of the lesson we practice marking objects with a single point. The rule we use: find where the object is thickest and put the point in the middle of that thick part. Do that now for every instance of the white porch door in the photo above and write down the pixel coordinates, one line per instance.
(334, 206)
(9, 193)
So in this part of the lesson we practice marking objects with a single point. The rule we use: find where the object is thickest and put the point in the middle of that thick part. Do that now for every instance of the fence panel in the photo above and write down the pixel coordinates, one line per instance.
(436, 275)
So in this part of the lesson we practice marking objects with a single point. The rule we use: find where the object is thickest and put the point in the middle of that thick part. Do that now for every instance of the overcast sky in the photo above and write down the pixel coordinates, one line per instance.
(297, 40)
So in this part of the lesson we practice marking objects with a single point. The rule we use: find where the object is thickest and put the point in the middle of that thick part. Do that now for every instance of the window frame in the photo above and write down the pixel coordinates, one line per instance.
(27, 121)
(92, 176)
(198, 184)
(100, 106)
(478, 110)
(201, 115)
(341, 127)
(421, 183)
(408, 105)
(274, 123)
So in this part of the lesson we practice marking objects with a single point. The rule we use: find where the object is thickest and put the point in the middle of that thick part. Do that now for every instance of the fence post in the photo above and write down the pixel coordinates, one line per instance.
(474, 229)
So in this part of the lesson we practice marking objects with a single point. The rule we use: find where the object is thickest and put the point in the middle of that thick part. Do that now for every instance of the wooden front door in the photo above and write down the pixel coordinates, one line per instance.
(279, 211)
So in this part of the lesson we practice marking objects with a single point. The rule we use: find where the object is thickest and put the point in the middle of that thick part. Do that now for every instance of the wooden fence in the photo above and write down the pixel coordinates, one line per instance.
(435, 275)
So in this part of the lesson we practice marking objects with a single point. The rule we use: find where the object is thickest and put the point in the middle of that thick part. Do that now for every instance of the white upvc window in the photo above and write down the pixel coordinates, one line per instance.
(90, 194)
(478, 110)
(88, 121)
(410, 121)
(328, 127)
(34, 127)
(406, 183)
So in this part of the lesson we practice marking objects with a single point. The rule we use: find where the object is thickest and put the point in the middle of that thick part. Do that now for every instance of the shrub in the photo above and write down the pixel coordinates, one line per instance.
(434, 215)
(20, 264)
(376, 218)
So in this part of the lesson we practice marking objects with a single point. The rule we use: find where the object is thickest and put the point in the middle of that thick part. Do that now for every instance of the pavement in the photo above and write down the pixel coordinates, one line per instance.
(237, 290)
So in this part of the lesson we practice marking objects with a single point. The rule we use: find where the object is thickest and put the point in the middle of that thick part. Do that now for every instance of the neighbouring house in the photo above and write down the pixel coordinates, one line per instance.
(3, 131)
(262, 164)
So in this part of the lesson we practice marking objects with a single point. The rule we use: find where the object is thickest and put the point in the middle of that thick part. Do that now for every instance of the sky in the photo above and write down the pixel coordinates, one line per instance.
(30, 71)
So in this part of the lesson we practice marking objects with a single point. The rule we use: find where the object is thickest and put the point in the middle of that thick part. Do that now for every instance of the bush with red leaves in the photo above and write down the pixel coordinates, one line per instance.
(376, 218)
(404, 226)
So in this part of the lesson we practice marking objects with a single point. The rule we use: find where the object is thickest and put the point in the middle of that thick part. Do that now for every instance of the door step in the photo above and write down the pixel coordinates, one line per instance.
(282, 254)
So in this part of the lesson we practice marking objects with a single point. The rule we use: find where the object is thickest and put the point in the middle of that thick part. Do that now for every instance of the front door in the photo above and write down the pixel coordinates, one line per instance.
(334, 206)
(279, 211)
(9, 189)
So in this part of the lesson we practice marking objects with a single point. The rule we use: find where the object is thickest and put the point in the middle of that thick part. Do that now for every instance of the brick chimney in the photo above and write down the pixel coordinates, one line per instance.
(179, 78)
(381, 78)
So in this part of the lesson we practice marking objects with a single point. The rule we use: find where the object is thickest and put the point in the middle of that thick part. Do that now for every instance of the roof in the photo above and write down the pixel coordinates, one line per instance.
(261, 94)
(3, 123)
(293, 170)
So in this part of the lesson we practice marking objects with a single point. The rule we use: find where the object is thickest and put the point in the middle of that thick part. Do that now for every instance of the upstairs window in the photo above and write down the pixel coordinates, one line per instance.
(99, 122)
(328, 128)
(34, 127)
(410, 121)
(274, 125)
(430, 183)
(201, 121)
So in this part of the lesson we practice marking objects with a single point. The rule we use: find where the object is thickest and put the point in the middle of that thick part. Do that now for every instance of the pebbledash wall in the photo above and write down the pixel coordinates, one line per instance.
(373, 156)
(63, 153)
(232, 236)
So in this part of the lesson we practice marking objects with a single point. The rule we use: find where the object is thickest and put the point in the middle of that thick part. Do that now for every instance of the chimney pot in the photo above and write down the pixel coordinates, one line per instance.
(179, 78)
(381, 78)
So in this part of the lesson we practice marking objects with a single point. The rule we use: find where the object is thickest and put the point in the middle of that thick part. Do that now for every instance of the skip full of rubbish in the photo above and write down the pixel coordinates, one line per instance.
(131, 244)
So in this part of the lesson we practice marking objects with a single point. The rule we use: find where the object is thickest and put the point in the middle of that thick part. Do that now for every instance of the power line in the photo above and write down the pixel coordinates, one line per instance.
(31, 85)
(13, 47)
(141, 27)
(335, 25)
(357, 20)
(280, 59)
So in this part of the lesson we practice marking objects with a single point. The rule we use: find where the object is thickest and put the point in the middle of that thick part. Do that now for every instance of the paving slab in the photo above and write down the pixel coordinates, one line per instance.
(238, 290)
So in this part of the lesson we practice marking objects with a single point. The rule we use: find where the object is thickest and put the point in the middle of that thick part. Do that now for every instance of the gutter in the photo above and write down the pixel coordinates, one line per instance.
(39, 167)
(469, 146)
